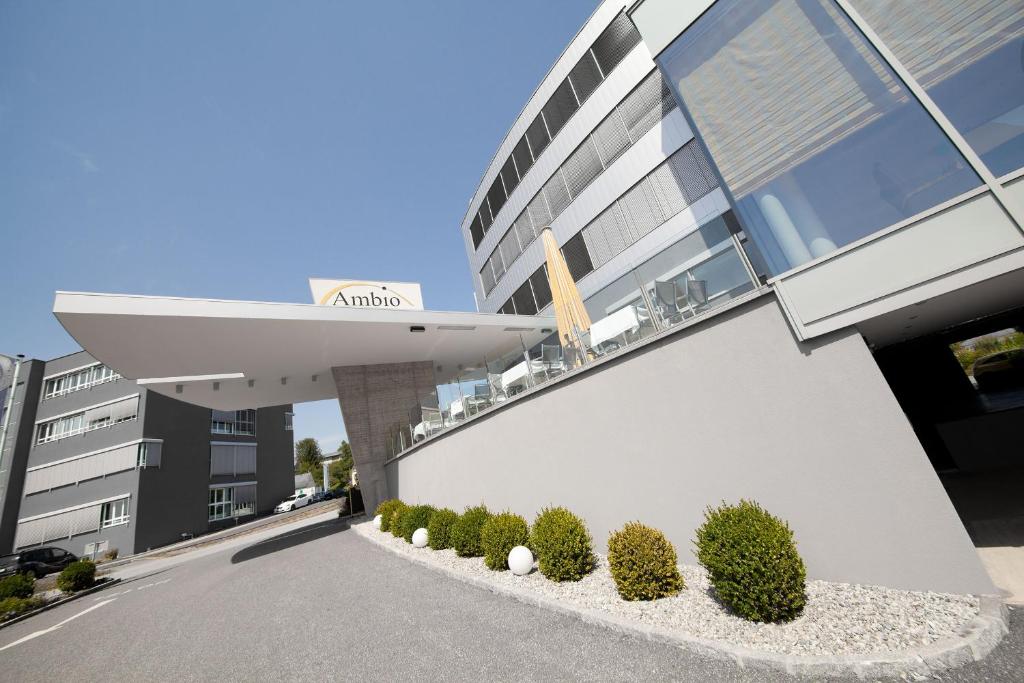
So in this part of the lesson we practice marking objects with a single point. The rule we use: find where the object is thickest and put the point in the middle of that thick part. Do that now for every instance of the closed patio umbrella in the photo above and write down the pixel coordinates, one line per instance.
(570, 314)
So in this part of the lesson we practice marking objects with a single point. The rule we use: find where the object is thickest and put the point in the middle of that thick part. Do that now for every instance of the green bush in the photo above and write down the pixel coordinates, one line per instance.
(499, 535)
(416, 517)
(13, 606)
(385, 509)
(643, 563)
(17, 586)
(752, 561)
(561, 542)
(395, 525)
(439, 531)
(77, 576)
(465, 535)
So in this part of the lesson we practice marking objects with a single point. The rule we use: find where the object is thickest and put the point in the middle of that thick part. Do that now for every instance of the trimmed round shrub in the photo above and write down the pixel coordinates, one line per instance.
(77, 576)
(385, 509)
(752, 562)
(17, 586)
(465, 535)
(395, 525)
(499, 535)
(643, 563)
(416, 517)
(561, 542)
(439, 531)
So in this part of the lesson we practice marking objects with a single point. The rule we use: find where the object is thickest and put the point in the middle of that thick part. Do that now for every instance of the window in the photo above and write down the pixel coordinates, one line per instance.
(76, 380)
(843, 149)
(97, 417)
(79, 468)
(232, 501)
(967, 56)
(615, 42)
(232, 458)
(288, 417)
(635, 115)
(220, 503)
(114, 513)
(241, 422)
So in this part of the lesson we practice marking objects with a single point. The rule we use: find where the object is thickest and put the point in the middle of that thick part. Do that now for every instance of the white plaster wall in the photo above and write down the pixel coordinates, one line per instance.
(732, 408)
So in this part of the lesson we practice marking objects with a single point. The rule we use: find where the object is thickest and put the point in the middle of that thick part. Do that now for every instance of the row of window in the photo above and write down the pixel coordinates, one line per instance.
(232, 501)
(75, 380)
(678, 182)
(97, 417)
(92, 465)
(630, 120)
(614, 43)
(69, 522)
(242, 422)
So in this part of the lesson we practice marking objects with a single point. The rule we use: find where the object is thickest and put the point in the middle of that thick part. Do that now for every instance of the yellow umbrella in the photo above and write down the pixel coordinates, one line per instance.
(570, 314)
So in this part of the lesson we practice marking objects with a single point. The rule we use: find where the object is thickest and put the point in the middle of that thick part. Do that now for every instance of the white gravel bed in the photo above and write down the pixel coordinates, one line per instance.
(839, 618)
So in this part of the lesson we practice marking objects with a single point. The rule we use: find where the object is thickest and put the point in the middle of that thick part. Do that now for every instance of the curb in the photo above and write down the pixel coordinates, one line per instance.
(57, 603)
(977, 639)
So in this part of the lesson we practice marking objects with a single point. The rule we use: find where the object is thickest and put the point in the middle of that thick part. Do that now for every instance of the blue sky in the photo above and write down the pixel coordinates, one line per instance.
(234, 149)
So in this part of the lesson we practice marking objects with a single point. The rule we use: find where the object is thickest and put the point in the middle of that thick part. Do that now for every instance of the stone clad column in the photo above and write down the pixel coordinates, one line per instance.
(374, 399)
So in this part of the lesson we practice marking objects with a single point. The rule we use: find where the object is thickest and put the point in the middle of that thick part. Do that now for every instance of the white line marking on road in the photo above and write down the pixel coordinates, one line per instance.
(55, 626)
(148, 585)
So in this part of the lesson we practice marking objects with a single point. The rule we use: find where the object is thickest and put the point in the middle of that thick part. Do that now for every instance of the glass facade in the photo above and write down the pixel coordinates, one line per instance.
(969, 58)
(816, 138)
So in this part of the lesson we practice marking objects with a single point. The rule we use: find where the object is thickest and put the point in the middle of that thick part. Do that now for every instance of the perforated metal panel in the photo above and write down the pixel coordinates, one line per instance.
(487, 277)
(496, 196)
(560, 107)
(692, 172)
(497, 265)
(556, 194)
(641, 109)
(641, 209)
(524, 228)
(597, 245)
(509, 246)
(537, 134)
(485, 215)
(523, 298)
(541, 288)
(611, 138)
(585, 77)
(476, 230)
(582, 167)
(509, 176)
(668, 191)
(521, 153)
(615, 42)
(577, 257)
(540, 214)
(610, 234)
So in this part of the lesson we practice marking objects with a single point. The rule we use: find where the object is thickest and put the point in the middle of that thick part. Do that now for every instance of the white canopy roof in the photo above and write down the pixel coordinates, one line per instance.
(243, 354)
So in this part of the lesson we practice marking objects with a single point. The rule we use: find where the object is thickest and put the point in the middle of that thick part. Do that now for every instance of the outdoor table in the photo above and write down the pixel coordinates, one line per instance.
(620, 322)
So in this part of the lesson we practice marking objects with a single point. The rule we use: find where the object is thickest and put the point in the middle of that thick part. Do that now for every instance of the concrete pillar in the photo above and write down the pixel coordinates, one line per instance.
(375, 399)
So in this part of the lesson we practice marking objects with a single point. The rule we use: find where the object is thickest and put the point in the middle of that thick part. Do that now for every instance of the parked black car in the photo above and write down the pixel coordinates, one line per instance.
(36, 561)
(317, 497)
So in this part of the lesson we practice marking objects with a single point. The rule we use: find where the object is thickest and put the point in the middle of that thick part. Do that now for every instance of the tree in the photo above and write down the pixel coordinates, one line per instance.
(307, 459)
(340, 470)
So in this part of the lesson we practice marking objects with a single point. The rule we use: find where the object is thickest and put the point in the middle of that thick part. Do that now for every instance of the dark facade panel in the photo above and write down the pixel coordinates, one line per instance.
(560, 107)
(523, 299)
(538, 136)
(521, 153)
(576, 257)
(476, 229)
(496, 196)
(615, 42)
(585, 77)
(541, 288)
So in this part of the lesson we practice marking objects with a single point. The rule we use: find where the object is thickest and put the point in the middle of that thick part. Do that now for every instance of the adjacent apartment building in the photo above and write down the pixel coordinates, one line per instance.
(97, 462)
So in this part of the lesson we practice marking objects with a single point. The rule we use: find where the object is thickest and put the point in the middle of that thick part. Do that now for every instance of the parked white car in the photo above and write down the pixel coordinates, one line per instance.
(292, 502)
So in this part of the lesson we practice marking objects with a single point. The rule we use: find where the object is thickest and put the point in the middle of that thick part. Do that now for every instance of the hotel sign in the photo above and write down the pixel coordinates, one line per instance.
(367, 294)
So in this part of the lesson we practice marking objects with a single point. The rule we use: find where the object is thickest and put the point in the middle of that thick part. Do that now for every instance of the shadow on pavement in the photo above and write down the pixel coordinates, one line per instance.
(290, 539)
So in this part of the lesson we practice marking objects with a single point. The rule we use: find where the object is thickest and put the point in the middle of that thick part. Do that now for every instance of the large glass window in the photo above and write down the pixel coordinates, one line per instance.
(220, 503)
(817, 139)
(114, 513)
(969, 57)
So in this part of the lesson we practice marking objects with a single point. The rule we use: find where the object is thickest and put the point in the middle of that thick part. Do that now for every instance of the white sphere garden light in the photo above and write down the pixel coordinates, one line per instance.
(520, 560)
(376, 522)
(419, 538)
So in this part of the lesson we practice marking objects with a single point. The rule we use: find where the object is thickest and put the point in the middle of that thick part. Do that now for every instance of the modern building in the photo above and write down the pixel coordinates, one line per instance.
(779, 214)
(99, 462)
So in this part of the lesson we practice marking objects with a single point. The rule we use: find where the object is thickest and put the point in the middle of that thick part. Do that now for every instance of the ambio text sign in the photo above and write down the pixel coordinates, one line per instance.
(367, 294)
